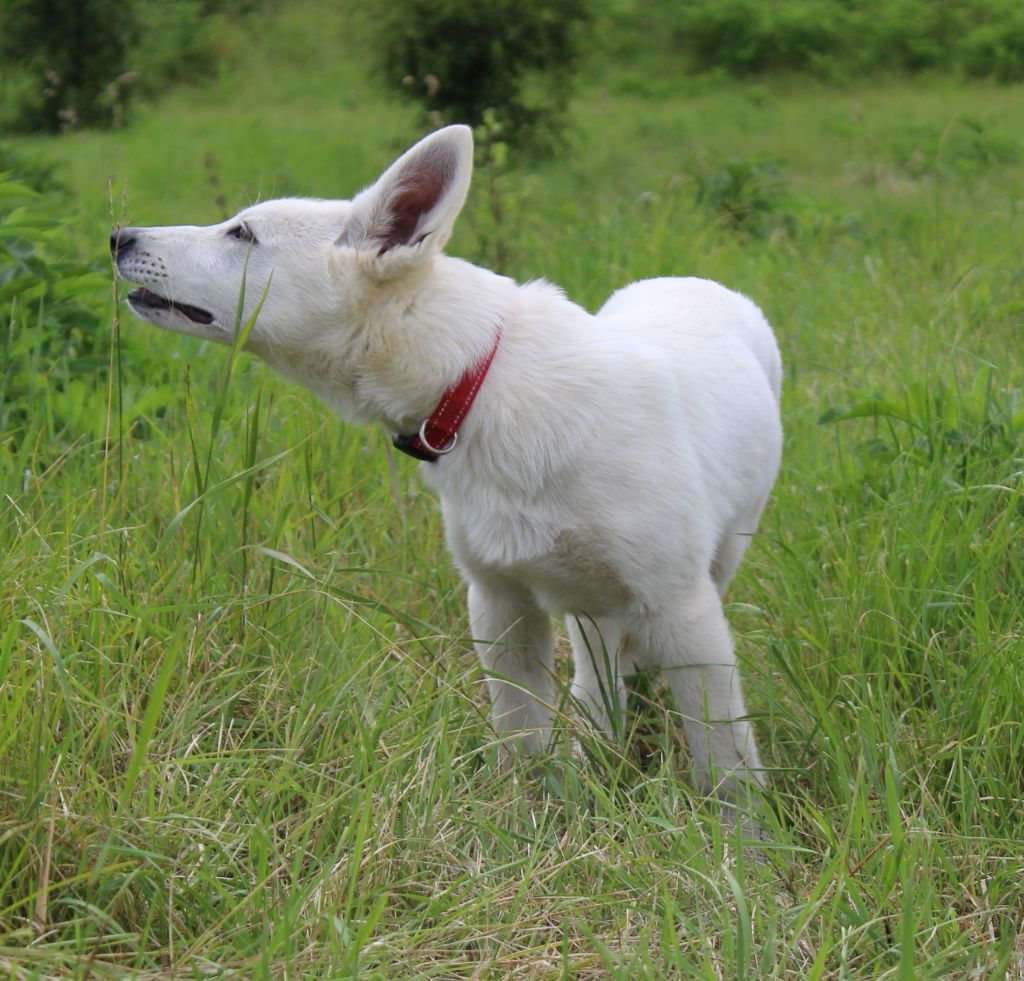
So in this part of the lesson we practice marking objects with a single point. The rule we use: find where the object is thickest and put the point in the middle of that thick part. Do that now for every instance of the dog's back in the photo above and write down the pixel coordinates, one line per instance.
(698, 310)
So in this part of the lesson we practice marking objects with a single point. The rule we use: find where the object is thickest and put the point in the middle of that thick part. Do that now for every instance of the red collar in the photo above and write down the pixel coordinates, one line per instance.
(439, 433)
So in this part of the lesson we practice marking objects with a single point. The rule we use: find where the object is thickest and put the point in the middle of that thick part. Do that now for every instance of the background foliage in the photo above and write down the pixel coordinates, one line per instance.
(834, 39)
(71, 63)
(460, 59)
(84, 62)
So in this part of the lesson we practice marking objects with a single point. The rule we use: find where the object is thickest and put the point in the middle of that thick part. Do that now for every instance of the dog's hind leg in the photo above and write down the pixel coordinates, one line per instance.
(597, 686)
(733, 546)
(691, 644)
(727, 559)
(513, 639)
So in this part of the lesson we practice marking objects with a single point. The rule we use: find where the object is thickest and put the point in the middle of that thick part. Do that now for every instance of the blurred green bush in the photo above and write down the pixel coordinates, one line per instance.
(69, 63)
(52, 304)
(61, 58)
(826, 38)
(460, 58)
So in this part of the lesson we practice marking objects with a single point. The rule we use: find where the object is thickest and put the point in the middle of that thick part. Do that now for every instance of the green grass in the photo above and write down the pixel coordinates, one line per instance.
(258, 747)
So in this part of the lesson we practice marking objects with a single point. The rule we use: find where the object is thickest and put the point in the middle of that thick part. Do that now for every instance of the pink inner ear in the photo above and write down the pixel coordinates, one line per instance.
(417, 194)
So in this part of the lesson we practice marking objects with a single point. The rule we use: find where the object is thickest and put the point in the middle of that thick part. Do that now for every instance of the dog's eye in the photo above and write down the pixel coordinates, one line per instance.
(243, 233)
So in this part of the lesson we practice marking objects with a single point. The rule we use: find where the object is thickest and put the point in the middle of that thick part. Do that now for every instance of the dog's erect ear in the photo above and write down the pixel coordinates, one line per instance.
(415, 202)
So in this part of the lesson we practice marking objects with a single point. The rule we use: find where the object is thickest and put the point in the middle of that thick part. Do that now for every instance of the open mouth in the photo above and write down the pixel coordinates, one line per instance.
(144, 299)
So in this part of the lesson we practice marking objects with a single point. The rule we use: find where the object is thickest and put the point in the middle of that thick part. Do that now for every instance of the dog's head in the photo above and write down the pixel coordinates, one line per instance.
(312, 262)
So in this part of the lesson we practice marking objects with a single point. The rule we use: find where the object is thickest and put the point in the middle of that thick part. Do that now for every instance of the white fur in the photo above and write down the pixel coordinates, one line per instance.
(613, 467)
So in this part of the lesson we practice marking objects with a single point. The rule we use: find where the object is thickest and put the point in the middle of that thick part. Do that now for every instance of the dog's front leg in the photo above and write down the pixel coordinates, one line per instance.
(513, 639)
(597, 686)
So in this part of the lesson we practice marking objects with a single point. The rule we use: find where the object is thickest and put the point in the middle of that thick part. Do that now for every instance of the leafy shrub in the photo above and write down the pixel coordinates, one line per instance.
(73, 50)
(39, 175)
(460, 58)
(50, 306)
(69, 63)
(997, 49)
(745, 196)
(907, 35)
(823, 37)
(747, 36)
(966, 426)
(969, 144)
(169, 44)
(964, 145)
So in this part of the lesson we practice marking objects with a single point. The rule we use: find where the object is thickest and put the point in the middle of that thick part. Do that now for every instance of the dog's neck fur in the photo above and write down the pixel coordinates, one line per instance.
(407, 346)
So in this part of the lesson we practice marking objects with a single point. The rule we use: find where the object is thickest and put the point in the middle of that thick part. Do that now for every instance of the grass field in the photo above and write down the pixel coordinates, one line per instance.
(242, 730)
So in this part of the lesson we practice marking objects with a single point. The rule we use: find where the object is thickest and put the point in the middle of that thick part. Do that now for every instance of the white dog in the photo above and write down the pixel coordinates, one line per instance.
(609, 467)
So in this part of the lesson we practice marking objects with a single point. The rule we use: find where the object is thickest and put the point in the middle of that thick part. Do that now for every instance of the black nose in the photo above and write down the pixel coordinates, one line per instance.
(121, 241)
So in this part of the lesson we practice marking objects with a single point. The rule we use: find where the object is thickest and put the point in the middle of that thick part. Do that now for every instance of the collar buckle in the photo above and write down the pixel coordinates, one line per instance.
(443, 423)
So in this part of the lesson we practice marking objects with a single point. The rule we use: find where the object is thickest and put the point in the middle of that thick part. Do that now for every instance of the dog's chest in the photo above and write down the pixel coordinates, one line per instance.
(578, 575)
(568, 570)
